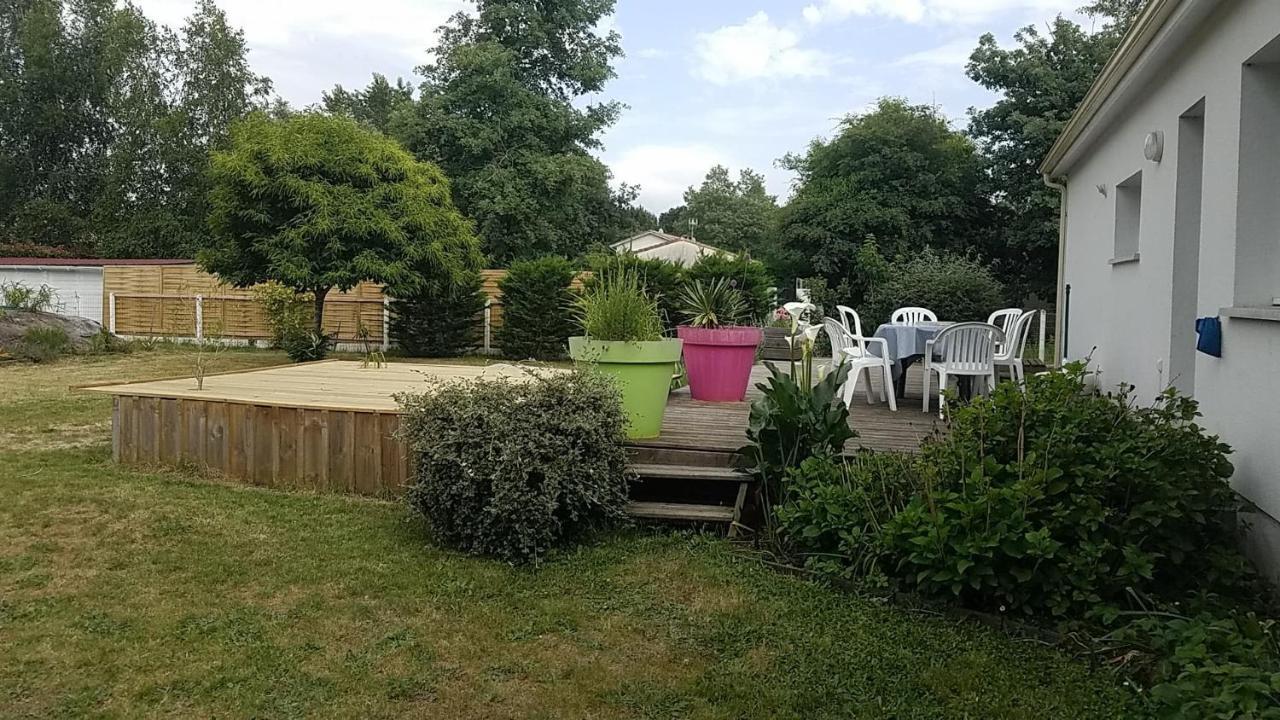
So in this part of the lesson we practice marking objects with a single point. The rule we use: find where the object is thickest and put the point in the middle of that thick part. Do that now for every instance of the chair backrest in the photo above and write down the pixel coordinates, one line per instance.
(968, 347)
(1018, 335)
(844, 343)
(912, 316)
(1004, 319)
(850, 318)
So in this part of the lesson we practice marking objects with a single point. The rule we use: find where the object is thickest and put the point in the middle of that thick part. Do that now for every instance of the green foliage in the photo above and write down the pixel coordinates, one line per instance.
(791, 422)
(1041, 82)
(316, 202)
(108, 120)
(900, 172)
(748, 276)
(441, 320)
(715, 304)
(662, 280)
(515, 468)
(306, 345)
(43, 343)
(1209, 666)
(617, 308)
(287, 312)
(537, 309)
(372, 107)
(832, 511)
(956, 287)
(501, 110)
(21, 296)
(738, 215)
(1061, 501)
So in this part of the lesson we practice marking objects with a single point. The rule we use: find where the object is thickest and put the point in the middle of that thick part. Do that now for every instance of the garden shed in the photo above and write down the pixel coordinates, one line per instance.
(76, 282)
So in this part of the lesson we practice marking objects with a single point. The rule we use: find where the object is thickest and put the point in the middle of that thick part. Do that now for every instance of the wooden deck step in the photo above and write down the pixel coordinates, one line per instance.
(688, 472)
(678, 511)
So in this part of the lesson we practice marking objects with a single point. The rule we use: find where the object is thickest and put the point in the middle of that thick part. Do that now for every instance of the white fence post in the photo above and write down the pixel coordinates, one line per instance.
(386, 323)
(111, 314)
(488, 326)
(199, 318)
(1043, 315)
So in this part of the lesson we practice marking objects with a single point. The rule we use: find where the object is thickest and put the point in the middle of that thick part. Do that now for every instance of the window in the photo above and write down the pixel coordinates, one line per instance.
(1258, 211)
(1128, 219)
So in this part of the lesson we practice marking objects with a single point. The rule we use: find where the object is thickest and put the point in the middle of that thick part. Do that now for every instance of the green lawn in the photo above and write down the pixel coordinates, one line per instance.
(159, 594)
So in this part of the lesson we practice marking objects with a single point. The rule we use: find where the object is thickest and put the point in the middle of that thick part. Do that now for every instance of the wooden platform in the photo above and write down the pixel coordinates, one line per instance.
(331, 426)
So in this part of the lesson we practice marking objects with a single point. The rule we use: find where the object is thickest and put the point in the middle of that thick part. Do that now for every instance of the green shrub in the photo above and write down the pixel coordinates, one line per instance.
(1208, 666)
(442, 320)
(833, 511)
(20, 296)
(748, 276)
(616, 308)
(288, 313)
(43, 343)
(306, 345)
(715, 304)
(791, 422)
(512, 469)
(661, 280)
(537, 309)
(1063, 501)
(955, 287)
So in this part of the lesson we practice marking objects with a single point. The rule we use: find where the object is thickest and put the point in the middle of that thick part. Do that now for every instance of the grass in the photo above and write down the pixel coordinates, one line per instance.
(129, 593)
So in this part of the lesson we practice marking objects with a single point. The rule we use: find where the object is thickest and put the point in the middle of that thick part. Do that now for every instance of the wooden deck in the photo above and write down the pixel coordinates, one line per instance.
(332, 426)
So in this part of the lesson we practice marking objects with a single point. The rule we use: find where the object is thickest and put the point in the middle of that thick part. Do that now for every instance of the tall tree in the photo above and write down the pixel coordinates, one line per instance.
(373, 106)
(733, 214)
(1041, 82)
(899, 174)
(316, 202)
(502, 111)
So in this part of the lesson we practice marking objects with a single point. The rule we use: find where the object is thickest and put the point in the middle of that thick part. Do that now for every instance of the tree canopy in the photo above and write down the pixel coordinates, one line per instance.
(1041, 81)
(899, 174)
(733, 214)
(374, 106)
(106, 122)
(501, 111)
(316, 202)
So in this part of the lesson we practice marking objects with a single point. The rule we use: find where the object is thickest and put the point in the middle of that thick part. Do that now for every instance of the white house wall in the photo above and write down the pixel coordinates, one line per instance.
(1124, 309)
(78, 290)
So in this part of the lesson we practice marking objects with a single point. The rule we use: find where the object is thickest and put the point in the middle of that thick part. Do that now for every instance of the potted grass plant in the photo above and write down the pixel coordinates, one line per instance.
(719, 349)
(622, 336)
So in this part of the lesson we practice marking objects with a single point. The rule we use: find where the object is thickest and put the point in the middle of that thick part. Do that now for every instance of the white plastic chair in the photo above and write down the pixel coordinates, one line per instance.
(967, 350)
(849, 317)
(853, 350)
(1004, 319)
(912, 316)
(1009, 354)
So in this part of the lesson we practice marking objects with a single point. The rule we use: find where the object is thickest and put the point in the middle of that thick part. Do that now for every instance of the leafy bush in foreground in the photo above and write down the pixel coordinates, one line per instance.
(513, 468)
(1063, 501)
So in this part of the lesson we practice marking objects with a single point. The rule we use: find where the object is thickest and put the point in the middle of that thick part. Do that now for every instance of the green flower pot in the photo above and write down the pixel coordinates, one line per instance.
(643, 371)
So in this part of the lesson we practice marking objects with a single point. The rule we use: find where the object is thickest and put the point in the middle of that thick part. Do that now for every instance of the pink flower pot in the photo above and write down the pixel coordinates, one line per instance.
(718, 361)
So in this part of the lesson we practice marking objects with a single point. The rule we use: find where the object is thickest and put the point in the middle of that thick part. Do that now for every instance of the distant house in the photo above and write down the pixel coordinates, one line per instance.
(1170, 177)
(660, 245)
(76, 282)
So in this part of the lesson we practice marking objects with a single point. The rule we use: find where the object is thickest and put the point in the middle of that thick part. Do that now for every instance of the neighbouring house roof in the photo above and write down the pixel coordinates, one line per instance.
(1158, 32)
(663, 239)
(88, 262)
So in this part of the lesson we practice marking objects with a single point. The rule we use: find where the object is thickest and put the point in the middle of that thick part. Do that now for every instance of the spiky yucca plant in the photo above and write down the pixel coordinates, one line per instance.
(712, 305)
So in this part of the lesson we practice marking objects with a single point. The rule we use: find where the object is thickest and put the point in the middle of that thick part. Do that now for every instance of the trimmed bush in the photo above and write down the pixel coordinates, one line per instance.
(537, 309)
(443, 320)
(956, 287)
(514, 468)
(660, 279)
(748, 276)
(1065, 502)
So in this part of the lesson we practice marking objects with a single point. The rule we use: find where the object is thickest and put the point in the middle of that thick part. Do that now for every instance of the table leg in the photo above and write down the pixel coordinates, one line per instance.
(900, 382)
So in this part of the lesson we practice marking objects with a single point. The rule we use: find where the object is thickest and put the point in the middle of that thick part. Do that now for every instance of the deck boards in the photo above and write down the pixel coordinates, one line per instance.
(343, 387)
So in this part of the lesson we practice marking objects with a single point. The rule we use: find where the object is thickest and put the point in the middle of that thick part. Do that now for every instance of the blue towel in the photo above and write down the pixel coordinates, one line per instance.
(1210, 331)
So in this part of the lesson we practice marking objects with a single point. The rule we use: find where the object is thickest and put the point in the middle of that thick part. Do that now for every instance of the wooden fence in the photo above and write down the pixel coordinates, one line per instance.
(182, 301)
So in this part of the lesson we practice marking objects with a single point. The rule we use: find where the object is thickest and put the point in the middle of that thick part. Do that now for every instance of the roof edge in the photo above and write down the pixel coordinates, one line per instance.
(1127, 55)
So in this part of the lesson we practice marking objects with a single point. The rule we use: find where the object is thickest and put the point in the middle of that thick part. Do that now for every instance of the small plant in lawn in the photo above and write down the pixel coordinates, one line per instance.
(373, 354)
(43, 343)
(209, 346)
(515, 468)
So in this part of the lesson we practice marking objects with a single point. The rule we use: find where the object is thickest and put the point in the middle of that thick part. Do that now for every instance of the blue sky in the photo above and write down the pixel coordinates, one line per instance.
(735, 82)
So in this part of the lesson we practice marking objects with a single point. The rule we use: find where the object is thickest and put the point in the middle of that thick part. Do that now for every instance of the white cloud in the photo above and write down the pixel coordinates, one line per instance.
(954, 54)
(961, 12)
(756, 49)
(664, 172)
(650, 53)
